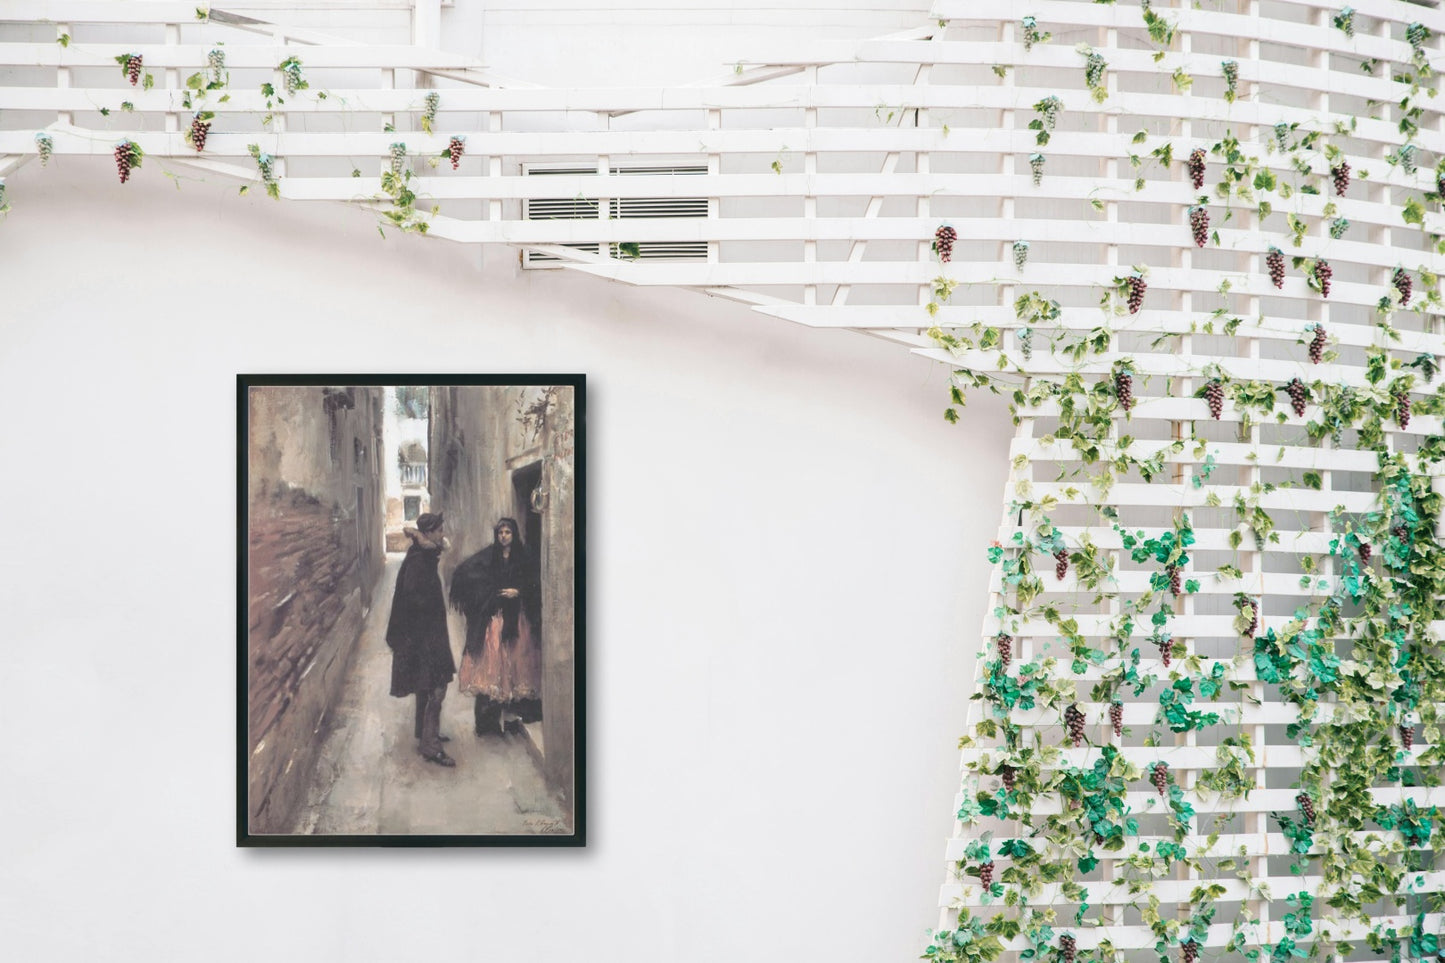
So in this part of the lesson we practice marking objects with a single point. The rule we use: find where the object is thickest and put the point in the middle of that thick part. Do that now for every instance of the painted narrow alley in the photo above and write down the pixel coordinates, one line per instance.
(369, 778)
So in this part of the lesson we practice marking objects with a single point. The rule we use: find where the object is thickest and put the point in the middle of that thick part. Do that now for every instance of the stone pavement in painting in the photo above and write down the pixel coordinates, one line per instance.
(369, 778)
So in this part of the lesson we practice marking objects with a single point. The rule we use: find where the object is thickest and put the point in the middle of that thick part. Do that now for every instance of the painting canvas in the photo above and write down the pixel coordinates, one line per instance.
(410, 609)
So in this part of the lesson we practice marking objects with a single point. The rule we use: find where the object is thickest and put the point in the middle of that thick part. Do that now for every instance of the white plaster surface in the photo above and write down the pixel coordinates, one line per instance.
(785, 586)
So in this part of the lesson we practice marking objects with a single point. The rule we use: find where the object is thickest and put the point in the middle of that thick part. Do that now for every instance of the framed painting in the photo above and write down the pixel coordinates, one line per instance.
(410, 638)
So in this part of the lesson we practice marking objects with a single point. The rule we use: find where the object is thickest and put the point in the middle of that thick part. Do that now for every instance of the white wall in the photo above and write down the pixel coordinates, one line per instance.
(611, 43)
(616, 43)
(786, 579)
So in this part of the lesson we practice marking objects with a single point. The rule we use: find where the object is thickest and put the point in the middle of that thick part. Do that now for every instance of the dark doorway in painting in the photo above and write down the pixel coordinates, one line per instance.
(363, 539)
(525, 482)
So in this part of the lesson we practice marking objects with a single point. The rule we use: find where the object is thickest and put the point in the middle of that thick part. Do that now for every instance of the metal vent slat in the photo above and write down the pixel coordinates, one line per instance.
(560, 209)
(625, 207)
(622, 209)
(659, 170)
(539, 258)
(695, 250)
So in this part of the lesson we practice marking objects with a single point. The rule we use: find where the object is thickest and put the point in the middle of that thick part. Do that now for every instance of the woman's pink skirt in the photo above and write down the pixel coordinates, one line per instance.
(504, 672)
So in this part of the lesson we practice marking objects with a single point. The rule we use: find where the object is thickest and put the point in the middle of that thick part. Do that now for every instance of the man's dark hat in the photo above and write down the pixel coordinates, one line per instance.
(428, 522)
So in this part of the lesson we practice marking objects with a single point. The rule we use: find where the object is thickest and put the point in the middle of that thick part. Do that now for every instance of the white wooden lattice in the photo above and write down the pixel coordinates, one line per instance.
(828, 170)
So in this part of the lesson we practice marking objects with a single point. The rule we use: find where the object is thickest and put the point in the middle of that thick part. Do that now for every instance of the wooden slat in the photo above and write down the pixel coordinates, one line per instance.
(966, 120)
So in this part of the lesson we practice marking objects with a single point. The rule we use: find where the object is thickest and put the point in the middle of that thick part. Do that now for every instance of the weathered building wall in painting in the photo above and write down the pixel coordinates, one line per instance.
(490, 447)
(314, 556)
(468, 475)
(559, 586)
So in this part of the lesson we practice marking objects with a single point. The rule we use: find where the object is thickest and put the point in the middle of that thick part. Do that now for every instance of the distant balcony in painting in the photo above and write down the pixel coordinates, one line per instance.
(413, 476)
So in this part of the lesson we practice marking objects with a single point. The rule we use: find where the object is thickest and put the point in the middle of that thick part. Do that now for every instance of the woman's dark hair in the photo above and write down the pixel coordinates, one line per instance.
(508, 523)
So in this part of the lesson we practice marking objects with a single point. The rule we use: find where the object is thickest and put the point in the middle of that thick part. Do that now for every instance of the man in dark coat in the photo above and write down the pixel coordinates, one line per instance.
(421, 649)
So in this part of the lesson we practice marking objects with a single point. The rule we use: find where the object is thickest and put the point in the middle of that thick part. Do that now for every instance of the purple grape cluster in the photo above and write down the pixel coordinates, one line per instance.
(1061, 564)
(1274, 260)
(1253, 617)
(133, 66)
(1166, 651)
(199, 130)
(1005, 644)
(1009, 776)
(455, 148)
(1199, 224)
(1124, 389)
(1306, 806)
(1116, 718)
(1323, 273)
(123, 159)
(943, 239)
(1407, 737)
(1196, 167)
(1365, 553)
(1067, 948)
(1402, 408)
(1074, 719)
(1317, 345)
(985, 873)
(1159, 776)
(1214, 394)
(1299, 395)
(1137, 287)
(1176, 581)
(1340, 173)
(1400, 533)
(1188, 951)
(1403, 284)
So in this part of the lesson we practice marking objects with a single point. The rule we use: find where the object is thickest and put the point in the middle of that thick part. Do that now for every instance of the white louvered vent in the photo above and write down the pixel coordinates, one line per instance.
(621, 208)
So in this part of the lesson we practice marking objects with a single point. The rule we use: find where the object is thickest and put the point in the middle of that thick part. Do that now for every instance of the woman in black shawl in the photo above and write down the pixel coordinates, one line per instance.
(498, 591)
(421, 649)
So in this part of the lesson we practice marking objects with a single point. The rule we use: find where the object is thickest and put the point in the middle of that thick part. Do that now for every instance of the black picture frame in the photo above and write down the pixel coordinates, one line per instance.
(305, 559)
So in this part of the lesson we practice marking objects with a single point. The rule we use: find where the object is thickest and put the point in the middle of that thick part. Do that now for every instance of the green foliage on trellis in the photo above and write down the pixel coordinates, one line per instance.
(1354, 700)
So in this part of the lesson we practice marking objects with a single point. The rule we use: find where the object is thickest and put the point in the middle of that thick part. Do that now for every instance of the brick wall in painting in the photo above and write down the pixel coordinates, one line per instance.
(315, 554)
